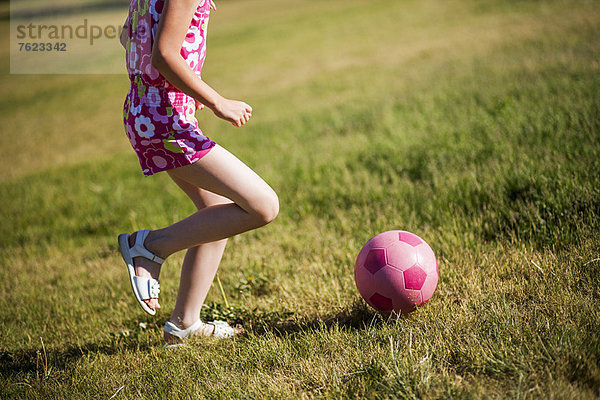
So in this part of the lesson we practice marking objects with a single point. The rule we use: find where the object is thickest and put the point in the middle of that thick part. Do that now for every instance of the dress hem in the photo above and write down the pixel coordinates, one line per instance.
(180, 163)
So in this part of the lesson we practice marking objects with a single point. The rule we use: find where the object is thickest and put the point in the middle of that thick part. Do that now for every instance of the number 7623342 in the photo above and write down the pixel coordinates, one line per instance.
(42, 46)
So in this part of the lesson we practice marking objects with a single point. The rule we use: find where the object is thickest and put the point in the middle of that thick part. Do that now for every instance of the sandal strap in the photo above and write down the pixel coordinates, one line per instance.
(174, 330)
(222, 329)
(148, 288)
(139, 250)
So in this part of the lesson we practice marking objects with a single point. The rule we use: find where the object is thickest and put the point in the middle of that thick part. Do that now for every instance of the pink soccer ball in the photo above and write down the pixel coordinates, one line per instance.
(396, 271)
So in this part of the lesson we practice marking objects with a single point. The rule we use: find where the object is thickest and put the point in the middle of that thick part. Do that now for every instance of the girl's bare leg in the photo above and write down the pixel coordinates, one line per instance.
(199, 265)
(253, 204)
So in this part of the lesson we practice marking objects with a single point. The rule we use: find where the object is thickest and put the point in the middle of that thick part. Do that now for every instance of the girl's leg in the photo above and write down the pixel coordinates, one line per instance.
(253, 204)
(199, 265)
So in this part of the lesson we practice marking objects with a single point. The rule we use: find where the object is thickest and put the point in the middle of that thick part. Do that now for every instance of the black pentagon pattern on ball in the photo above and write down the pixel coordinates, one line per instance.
(376, 259)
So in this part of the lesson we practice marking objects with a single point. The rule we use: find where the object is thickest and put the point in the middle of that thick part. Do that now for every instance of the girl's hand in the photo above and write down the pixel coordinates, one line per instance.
(234, 111)
(213, 6)
(199, 106)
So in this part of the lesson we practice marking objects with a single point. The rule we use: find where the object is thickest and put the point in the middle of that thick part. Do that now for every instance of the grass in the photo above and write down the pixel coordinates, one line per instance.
(474, 124)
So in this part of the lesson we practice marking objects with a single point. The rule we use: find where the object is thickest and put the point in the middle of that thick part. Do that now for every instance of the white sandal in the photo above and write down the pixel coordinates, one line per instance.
(143, 288)
(221, 330)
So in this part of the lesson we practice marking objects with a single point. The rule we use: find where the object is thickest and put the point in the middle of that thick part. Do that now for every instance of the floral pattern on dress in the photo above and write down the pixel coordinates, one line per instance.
(159, 119)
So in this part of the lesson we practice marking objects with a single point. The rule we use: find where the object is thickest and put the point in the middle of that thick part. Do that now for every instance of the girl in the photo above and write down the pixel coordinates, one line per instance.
(166, 46)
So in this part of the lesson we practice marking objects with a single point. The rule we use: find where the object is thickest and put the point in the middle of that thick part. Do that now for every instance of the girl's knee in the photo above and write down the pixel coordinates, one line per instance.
(267, 206)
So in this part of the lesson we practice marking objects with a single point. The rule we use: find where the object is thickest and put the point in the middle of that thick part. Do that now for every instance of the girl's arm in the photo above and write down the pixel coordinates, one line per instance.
(124, 33)
(167, 60)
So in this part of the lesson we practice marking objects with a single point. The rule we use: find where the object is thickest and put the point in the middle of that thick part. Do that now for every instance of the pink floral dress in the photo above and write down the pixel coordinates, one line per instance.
(159, 119)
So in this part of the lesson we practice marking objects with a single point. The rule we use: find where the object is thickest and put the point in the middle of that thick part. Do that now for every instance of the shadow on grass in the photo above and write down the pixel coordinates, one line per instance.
(357, 316)
(34, 363)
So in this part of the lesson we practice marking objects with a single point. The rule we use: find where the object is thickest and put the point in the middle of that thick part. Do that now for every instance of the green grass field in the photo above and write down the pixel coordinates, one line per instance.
(473, 123)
